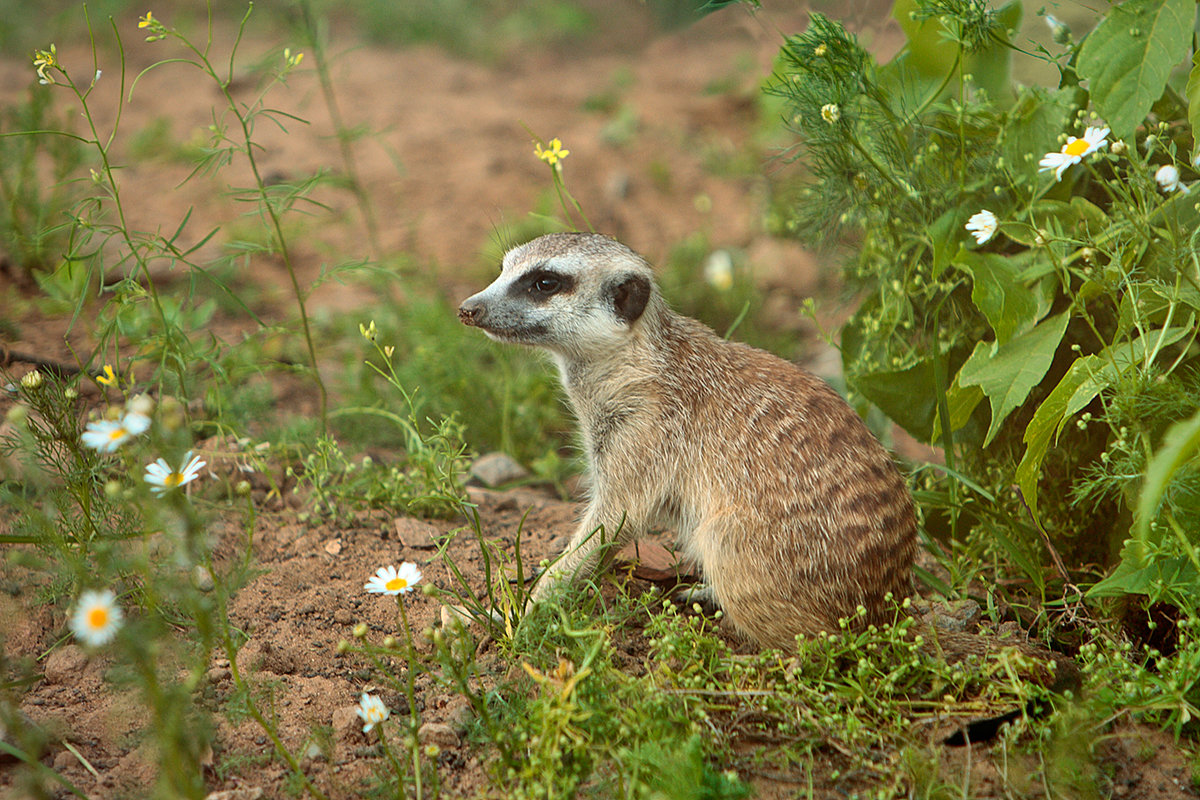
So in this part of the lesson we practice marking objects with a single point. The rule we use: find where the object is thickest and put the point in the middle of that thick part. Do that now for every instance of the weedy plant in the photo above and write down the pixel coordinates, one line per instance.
(136, 554)
(1029, 260)
(1030, 264)
(1065, 296)
(430, 481)
(98, 228)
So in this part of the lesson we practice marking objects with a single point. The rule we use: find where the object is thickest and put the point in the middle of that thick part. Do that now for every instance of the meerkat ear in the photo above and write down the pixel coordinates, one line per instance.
(629, 297)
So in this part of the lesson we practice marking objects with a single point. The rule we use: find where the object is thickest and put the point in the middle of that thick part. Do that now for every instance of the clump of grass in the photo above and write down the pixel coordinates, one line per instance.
(34, 195)
(480, 29)
(428, 483)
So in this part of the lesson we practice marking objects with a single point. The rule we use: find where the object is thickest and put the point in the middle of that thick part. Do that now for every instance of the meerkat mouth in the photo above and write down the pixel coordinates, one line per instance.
(524, 334)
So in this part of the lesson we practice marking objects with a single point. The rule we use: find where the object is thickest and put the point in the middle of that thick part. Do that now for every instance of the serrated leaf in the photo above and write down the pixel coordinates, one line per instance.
(904, 395)
(1008, 375)
(1128, 57)
(1043, 426)
(1085, 379)
(1011, 308)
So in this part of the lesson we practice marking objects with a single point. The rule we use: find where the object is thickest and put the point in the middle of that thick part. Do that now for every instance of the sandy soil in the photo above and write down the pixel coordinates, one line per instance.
(451, 161)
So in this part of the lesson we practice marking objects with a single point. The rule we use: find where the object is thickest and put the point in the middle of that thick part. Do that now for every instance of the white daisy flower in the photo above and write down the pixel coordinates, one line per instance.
(389, 580)
(96, 617)
(371, 711)
(831, 113)
(1074, 151)
(107, 435)
(1168, 179)
(983, 226)
(163, 478)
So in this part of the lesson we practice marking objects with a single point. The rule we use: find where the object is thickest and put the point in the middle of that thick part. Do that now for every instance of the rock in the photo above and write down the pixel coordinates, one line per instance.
(245, 793)
(956, 616)
(202, 579)
(273, 658)
(455, 617)
(65, 664)
(438, 733)
(459, 714)
(415, 534)
(495, 469)
(217, 674)
(347, 725)
(63, 761)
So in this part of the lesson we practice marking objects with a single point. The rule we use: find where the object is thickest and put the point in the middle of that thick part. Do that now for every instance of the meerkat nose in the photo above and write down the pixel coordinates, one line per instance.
(470, 312)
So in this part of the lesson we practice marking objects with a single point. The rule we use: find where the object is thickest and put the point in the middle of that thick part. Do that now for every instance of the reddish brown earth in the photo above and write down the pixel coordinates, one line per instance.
(450, 159)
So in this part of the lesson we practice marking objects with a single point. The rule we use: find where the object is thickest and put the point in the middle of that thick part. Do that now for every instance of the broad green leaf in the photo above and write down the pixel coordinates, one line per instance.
(943, 233)
(1007, 373)
(1010, 307)
(1112, 362)
(1032, 126)
(1180, 444)
(1128, 57)
(1193, 101)
(1085, 379)
(1044, 424)
(962, 401)
(907, 396)
(1135, 577)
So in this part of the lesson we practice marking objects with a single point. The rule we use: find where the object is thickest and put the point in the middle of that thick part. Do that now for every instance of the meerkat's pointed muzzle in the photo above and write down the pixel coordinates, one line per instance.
(470, 312)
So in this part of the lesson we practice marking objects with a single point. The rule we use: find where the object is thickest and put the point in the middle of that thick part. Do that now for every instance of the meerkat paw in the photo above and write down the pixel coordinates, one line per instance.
(697, 593)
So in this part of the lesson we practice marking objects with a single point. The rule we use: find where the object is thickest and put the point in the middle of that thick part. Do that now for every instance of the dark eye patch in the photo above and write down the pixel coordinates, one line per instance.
(540, 284)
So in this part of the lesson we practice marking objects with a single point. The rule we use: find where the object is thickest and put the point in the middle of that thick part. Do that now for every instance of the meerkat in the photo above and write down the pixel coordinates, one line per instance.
(793, 510)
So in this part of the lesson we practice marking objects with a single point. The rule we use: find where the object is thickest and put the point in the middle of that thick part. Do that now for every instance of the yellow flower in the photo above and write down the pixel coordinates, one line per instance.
(831, 113)
(157, 29)
(44, 60)
(820, 50)
(552, 154)
(108, 377)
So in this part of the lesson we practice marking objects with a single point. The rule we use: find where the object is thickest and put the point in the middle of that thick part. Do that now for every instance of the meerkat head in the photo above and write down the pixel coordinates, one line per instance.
(574, 294)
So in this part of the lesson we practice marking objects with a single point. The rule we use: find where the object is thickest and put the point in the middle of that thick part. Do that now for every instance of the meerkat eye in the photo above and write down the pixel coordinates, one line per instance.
(546, 285)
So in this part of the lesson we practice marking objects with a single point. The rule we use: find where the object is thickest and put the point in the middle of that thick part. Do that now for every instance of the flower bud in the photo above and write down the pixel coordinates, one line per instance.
(143, 404)
(31, 381)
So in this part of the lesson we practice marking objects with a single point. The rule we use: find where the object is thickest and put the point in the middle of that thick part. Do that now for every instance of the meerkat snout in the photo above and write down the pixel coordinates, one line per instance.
(793, 511)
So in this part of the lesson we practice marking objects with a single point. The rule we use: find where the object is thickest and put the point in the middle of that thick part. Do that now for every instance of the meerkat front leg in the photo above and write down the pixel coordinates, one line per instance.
(599, 536)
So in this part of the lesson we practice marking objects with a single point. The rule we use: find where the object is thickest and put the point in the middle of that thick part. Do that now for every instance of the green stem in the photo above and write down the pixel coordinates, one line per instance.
(276, 225)
(410, 692)
(344, 135)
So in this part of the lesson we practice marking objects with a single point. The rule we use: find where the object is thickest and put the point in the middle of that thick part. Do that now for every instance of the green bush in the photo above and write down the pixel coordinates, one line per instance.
(1028, 259)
